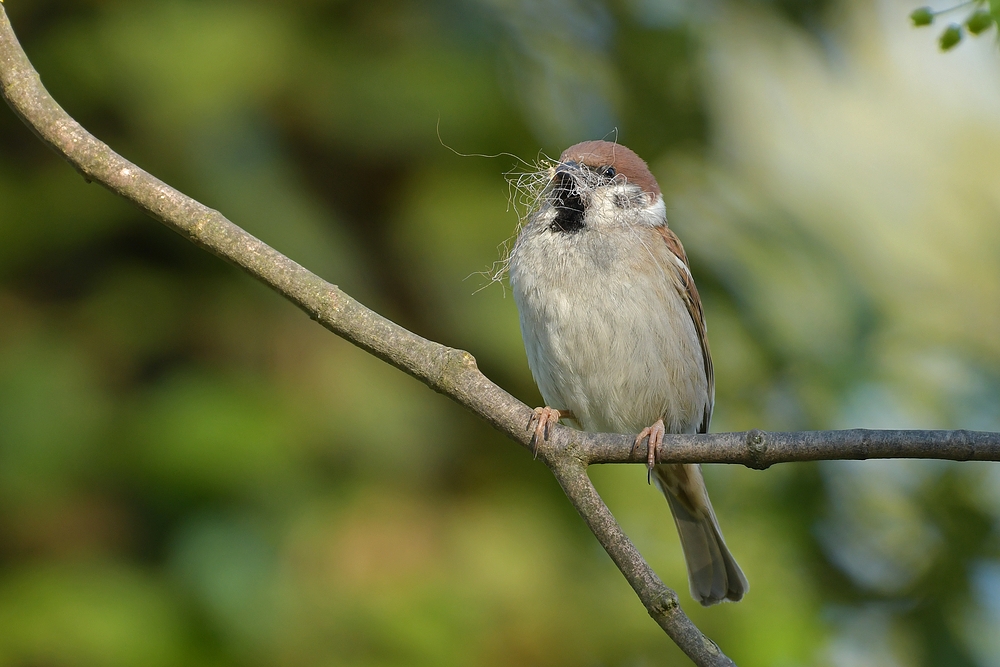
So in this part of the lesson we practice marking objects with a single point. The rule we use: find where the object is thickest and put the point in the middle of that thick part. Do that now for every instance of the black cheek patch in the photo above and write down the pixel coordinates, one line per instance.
(569, 208)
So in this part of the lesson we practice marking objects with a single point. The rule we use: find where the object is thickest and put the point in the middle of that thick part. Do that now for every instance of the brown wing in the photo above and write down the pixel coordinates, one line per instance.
(693, 302)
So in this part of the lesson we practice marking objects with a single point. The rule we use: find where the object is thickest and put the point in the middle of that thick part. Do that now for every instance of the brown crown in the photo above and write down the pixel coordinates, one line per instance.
(609, 154)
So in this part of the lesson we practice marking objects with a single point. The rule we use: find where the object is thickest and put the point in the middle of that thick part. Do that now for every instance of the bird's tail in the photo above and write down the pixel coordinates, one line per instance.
(713, 573)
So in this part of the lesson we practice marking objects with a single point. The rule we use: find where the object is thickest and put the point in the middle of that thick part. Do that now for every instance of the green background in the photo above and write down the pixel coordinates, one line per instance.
(194, 473)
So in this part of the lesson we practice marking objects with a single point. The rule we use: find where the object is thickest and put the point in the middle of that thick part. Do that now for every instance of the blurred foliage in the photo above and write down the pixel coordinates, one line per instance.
(193, 473)
(981, 15)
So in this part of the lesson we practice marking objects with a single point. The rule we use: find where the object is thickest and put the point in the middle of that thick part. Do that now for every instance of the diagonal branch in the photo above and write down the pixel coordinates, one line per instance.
(661, 602)
(446, 370)
(453, 372)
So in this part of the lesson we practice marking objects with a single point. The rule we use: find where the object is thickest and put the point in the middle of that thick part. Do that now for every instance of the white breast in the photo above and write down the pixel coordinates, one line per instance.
(607, 333)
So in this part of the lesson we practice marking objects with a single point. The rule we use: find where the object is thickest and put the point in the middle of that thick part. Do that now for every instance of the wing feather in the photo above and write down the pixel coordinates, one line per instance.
(689, 292)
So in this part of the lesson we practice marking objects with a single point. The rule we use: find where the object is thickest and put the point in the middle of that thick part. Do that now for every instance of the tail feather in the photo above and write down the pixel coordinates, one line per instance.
(713, 573)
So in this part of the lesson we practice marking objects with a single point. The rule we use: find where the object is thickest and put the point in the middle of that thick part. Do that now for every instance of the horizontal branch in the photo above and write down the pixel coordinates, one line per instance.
(761, 449)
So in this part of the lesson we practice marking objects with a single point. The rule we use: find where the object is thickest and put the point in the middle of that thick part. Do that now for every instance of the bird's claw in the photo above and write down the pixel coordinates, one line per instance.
(655, 435)
(542, 417)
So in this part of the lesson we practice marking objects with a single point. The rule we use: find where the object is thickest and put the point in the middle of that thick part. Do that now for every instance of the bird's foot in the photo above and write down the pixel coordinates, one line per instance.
(655, 435)
(542, 417)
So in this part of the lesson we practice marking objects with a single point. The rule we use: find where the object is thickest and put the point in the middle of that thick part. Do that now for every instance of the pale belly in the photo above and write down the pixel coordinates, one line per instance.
(619, 350)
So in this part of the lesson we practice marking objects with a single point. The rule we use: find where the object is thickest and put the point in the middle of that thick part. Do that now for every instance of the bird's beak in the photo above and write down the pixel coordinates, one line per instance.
(565, 175)
(568, 168)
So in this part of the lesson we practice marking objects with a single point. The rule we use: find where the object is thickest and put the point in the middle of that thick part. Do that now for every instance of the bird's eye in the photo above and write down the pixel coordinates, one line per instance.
(607, 172)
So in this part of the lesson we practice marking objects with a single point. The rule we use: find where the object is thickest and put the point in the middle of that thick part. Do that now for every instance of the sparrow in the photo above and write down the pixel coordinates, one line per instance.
(615, 333)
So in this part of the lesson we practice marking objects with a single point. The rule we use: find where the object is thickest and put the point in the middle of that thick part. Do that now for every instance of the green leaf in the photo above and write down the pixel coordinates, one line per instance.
(979, 21)
(951, 36)
(922, 16)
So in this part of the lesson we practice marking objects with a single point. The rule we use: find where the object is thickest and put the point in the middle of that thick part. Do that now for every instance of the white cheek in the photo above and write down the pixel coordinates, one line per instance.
(657, 212)
(624, 205)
